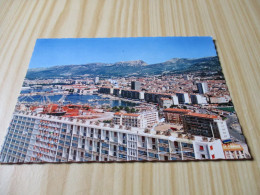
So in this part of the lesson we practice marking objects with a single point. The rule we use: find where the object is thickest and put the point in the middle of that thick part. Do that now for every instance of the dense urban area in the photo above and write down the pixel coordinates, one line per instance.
(135, 118)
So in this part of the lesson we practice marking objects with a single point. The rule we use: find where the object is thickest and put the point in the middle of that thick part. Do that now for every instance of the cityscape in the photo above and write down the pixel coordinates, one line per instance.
(179, 109)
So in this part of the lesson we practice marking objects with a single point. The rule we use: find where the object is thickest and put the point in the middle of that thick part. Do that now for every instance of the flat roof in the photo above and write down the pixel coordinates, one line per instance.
(232, 147)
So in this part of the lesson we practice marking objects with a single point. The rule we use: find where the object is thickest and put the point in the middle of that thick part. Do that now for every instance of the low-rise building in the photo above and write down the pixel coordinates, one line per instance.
(141, 120)
(165, 102)
(233, 151)
(219, 100)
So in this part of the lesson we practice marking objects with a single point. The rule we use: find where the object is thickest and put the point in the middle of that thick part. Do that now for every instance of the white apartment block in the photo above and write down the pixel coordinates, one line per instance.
(45, 138)
(183, 98)
(202, 87)
(198, 99)
(140, 120)
(175, 100)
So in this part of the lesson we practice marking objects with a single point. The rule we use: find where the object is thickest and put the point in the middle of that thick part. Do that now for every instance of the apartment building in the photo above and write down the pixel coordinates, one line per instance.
(174, 115)
(46, 138)
(165, 102)
(233, 151)
(106, 90)
(205, 125)
(117, 92)
(132, 94)
(135, 85)
(202, 88)
(198, 99)
(183, 98)
(140, 120)
(155, 97)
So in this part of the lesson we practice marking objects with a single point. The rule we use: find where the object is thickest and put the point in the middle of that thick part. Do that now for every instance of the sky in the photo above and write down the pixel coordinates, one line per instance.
(51, 52)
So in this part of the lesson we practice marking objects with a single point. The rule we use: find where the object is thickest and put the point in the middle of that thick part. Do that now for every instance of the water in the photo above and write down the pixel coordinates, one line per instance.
(78, 99)
(36, 90)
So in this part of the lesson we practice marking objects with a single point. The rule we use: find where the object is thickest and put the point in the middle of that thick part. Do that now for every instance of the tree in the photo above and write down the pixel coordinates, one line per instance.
(115, 108)
(173, 106)
(127, 109)
(132, 110)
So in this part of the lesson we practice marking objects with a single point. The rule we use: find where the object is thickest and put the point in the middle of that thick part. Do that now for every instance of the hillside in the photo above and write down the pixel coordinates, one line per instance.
(137, 68)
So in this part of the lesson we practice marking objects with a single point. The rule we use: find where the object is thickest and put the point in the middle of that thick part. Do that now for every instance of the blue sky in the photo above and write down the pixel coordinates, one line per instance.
(51, 52)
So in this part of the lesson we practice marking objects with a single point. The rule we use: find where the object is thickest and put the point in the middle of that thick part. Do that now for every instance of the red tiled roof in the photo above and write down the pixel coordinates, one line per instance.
(177, 110)
(165, 99)
(126, 114)
(202, 115)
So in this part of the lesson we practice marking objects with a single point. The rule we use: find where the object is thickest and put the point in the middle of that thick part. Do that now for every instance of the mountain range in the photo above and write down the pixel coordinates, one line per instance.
(128, 68)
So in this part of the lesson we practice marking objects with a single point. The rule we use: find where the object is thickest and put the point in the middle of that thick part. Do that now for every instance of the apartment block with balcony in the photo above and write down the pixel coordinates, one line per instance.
(141, 120)
(132, 94)
(205, 125)
(175, 115)
(60, 139)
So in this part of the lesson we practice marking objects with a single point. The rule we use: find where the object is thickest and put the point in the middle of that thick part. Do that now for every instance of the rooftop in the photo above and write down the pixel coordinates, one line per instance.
(126, 114)
(232, 147)
(177, 110)
(203, 115)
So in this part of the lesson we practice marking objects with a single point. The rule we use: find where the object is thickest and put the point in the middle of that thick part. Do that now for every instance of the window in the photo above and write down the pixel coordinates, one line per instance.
(213, 156)
(203, 156)
(211, 147)
(201, 148)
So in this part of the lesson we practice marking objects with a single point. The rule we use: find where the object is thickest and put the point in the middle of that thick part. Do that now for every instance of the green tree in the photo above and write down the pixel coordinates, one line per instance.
(115, 108)
(127, 109)
(132, 110)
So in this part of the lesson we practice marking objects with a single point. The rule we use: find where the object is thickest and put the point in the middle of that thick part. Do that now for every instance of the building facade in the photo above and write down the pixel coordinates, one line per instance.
(105, 90)
(198, 99)
(205, 125)
(183, 98)
(136, 85)
(46, 138)
(202, 88)
(140, 120)
(175, 115)
(132, 94)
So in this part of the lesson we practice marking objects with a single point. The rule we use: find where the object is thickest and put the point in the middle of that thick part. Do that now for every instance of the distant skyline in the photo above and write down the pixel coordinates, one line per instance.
(67, 51)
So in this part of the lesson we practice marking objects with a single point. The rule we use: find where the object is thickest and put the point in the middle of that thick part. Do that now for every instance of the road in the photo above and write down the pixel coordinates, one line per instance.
(234, 128)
